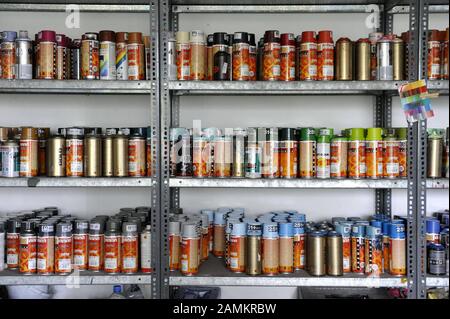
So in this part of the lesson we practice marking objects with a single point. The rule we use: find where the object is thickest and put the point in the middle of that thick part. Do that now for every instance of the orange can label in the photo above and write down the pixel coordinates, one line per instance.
(346, 254)
(130, 254)
(28, 158)
(356, 159)
(374, 159)
(183, 61)
(112, 254)
(288, 151)
(271, 62)
(287, 63)
(373, 257)
(325, 61)
(74, 157)
(45, 255)
(136, 158)
(299, 251)
(201, 158)
(241, 60)
(434, 60)
(136, 61)
(358, 254)
(63, 254)
(12, 250)
(391, 163)
(47, 60)
(28, 255)
(174, 252)
(205, 244)
(8, 61)
(338, 159)
(237, 254)
(80, 251)
(95, 244)
(397, 265)
(149, 159)
(253, 57)
(189, 255)
(90, 60)
(402, 158)
(308, 61)
(270, 256)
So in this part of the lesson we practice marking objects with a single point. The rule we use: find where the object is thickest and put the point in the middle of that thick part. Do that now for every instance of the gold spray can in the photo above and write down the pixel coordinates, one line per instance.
(107, 156)
(120, 155)
(56, 156)
(344, 59)
(334, 254)
(93, 156)
(398, 59)
(363, 60)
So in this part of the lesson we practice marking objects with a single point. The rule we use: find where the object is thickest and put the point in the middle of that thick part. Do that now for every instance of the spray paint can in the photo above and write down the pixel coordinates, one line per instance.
(62, 60)
(385, 71)
(386, 242)
(241, 56)
(435, 150)
(80, 244)
(28, 248)
(271, 57)
(373, 251)
(90, 61)
(219, 234)
(112, 252)
(238, 247)
(398, 59)
(344, 59)
(12, 243)
(325, 56)
(136, 56)
(270, 152)
(433, 229)
(436, 260)
(198, 55)
(93, 156)
(46, 249)
(2, 245)
(120, 155)
(8, 55)
(239, 137)
(108, 153)
(146, 249)
(56, 156)
(402, 138)
(363, 72)
(308, 149)
(253, 261)
(286, 233)
(107, 55)
(270, 249)
(391, 163)
(316, 253)
(9, 155)
(434, 55)
(137, 165)
(373, 38)
(121, 56)
(130, 247)
(323, 158)
(308, 56)
(222, 155)
(334, 254)
(29, 152)
(210, 214)
(338, 157)
(63, 248)
(287, 57)
(189, 249)
(356, 154)
(299, 244)
(74, 152)
(253, 57)
(183, 50)
(358, 248)
(24, 57)
(397, 249)
(75, 57)
(344, 229)
(253, 154)
(221, 56)
(180, 152)
(374, 153)
(43, 134)
(46, 55)
(96, 240)
(174, 245)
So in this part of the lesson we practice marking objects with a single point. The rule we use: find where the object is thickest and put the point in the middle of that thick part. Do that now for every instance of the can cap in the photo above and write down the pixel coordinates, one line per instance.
(174, 228)
(254, 229)
(308, 36)
(229, 224)
(64, 229)
(23, 36)
(81, 226)
(270, 230)
(433, 226)
(182, 37)
(374, 134)
(376, 223)
(397, 230)
(336, 220)
(130, 227)
(433, 35)
(220, 38)
(135, 37)
(248, 220)
(121, 37)
(189, 230)
(209, 213)
(318, 233)
(96, 227)
(287, 134)
(307, 134)
(272, 36)
(61, 40)
(240, 37)
(286, 229)
(333, 233)
(8, 36)
(90, 36)
(343, 229)
(205, 220)
(43, 132)
(219, 218)
(210, 40)
(356, 134)
(197, 36)
(252, 39)
(372, 231)
(107, 35)
(112, 226)
(358, 230)
(325, 36)
(287, 39)
(239, 229)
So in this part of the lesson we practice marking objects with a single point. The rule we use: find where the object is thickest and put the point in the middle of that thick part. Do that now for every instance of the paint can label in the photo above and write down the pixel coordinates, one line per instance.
(74, 157)
(63, 255)
(146, 252)
(80, 251)
(374, 159)
(112, 254)
(96, 259)
(323, 160)
(241, 59)
(272, 61)
(90, 61)
(402, 158)
(338, 164)
(183, 61)
(391, 165)
(28, 254)
(287, 63)
(434, 60)
(189, 256)
(28, 158)
(308, 61)
(346, 254)
(373, 256)
(107, 60)
(252, 63)
(12, 250)
(121, 61)
(308, 150)
(137, 166)
(45, 255)
(325, 61)
(358, 258)
(299, 251)
(237, 254)
(136, 62)
(174, 252)
(129, 254)
(9, 157)
(357, 159)
(47, 60)
(8, 60)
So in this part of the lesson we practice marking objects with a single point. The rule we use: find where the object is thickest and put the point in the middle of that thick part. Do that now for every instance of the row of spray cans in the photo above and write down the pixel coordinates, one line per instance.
(44, 242)
(271, 152)
(75, 152)
(284, 242)
(437, 228)
(96, 56)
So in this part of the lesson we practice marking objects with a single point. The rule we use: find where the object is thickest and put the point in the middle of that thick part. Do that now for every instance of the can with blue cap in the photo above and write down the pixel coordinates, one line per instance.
(299, 243)
(345, 230)
(433, 230)
(373, 251)
(253, 261)
(286, 233)
(376, 223)
(358, 250)
(237, 247)
(8, 55)
(397, 244)
(219, 234)
(336, 220)
(270, 249)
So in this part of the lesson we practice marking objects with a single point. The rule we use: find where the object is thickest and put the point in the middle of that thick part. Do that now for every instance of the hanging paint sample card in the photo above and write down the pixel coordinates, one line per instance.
(416, 101)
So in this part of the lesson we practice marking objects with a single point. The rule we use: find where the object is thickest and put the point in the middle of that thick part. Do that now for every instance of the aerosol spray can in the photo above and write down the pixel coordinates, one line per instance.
(90, 61)
(325, 56)
(46, 249)
(189, 249)
(80, 244)
(146, 249)
(93, 155)
(120, 155)
(56, 156)
(271, 60)
(270, 249)
(74, 152)
(12, 243)
(334, 254)
(46, 56)
(435, 148)
(253, 72)
(286, 233)
(107, 55)
(130, 247)
(113, 240)
(174, 245)
(24, 56)
(316, 250)
(29, 152)
(253, 261)
(373, 251)
(8, 55)
(363, 60)
(344, 229)
(344, 59)
(323, 160)
(398, 59)
(136, 56)
(241, 57)
(237, 250)
(358, 248)
(62, 61)
(198, 55)
(75, 57)
(121, 56)
(9, 156)
(63, 248)
(28, 248)
(253, 154)
(239, 137)
(385, 69)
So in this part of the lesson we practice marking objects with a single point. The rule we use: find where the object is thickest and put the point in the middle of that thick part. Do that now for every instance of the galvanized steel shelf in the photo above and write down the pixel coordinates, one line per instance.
(74, 87)
(301, 183)
(293, 88)
(12, 277)
(76, 182)
(272, 8)
(214, 273)
(125, 6)
(437, 281)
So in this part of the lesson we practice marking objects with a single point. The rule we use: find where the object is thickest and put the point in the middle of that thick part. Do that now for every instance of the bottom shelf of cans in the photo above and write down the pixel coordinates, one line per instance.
(224, 247)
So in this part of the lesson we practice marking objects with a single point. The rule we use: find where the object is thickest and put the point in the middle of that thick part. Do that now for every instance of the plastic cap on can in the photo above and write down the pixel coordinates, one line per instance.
(47, 36)
(135, 37)
(205, 220)
(372, 231)
(252, 39)
(356, 134)
(219, 218)
(197, 36)
(121, 37)
(29, 133)
(401, 133)
(272, 36)
(374, 134)
(64, 229)
(248, 220)
(308, 36)
(61, 40)
(433, 226)
(358, 230)
(333, 233)
(220, 38)
(335, 220)
(8, 36)
(23, 35)
(325, 36)
(112, 226)
(229, 224)
(224, 210)
(254, 229)
(397, 231)
(189, 230)
(174, 227)
(300, 217)
(46, 229)
(182, 37)
(343, 229)
(287, 39)
(240, 37)
(129, 227)
(286, 229)
(307, 134)
(107, 35)
(270, 230)
(239, 210)
(239, 229)
(209, 213)
(376, 223)
(318, 233)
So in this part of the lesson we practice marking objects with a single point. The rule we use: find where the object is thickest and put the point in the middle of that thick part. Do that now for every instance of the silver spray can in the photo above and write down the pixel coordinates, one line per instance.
(76, 59)
(24, 56)
(9, 154)
(172, 58)
(385, 69)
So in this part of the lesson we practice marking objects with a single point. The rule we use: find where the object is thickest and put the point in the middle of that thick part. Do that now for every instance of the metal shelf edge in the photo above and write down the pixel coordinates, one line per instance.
(76, 182)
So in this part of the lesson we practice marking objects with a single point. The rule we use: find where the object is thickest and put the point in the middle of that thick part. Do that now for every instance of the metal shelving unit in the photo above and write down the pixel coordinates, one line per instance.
(149, 88)
(212, 272)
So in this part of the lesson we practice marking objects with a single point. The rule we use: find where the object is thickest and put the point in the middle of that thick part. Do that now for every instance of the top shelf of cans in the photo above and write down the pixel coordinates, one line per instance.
(106, 55)
(372, 63)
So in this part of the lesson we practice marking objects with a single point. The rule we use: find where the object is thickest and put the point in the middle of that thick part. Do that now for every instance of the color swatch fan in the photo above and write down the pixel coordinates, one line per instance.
(415, 100)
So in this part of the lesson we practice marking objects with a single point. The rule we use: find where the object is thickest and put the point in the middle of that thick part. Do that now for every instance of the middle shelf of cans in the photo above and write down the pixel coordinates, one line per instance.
(75, 152)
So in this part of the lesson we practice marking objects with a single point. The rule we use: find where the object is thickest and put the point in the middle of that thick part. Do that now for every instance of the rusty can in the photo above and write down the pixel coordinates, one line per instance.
(356, 154)
(174, 245)
(29, 152)
(374, 153)
(137, 165)
(308, 56)
(358, 248)
(13, 243)
(308, 150)
(120, 155)
(46, 57)
(391, 163)
(8, 55)
(112, 247)
(28, 248)
(253, 57)
(63, 248)
(90, 56)
(434, 55)
(241, 56)
(62, 57)
(287, 57)
(344, 59)
(43, 134)
(96, 240)
(398, 59)
(80, 244)
(338, 166)
(325, 56)
(189, 249)
(130, 247)
(74, 152)
(270, 249)
(136, 56)
(288, 153)
(198, 55)
(46, 249)
(121, 56)
(271, 57)
(363, 72)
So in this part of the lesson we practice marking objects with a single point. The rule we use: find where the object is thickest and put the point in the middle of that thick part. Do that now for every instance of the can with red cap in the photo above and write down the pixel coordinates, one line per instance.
(271, 57)
(325, 56)
(287, 57)
(241, 56)
(308, 56)
(62, 52)
(107, 55)
(253, 57)
(90, 61)
(136, 56)
(47, 55)
(434, 55)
